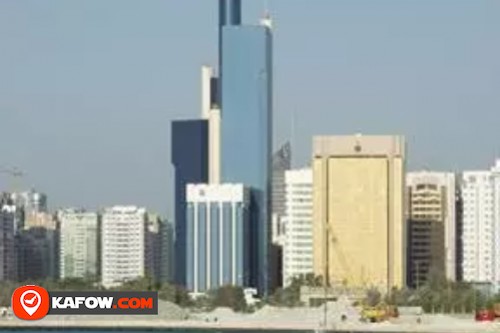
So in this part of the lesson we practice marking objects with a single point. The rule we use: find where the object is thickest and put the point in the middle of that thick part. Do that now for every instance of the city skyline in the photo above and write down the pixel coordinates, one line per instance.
(63, 77)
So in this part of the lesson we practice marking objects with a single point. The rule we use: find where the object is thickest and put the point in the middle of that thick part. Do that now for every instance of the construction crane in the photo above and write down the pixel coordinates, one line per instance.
(16, 175)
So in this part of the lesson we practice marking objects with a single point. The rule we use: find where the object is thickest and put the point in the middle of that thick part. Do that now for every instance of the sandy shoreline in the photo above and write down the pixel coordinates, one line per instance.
(156, 324)
(268, 318)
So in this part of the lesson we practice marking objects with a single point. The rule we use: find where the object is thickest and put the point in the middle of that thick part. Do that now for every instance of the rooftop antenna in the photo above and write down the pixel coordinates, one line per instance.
(266, 19)
(292, 135)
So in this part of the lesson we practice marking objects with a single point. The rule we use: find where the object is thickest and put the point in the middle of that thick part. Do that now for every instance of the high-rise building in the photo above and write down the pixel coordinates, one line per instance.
(298, 246)
(122, 244)
(210, 111)
(218, 225)
(166, 252)
(190, 158)
(79, 244)
(32, 201)
(8, 264)
(37, 246)
(280, 163)
(153, 247)
(431, 219)
(246, 81)
(481, 225)
(229, 14)
(358, 186)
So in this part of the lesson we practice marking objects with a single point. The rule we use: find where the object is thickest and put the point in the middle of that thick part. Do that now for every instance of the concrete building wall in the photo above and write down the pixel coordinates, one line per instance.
(38, 247)
(167, 264)
(358, 210)
(210, 110)
(481, 219)
(122, 241)
(79, 244)
(298, 245)
(432, 221)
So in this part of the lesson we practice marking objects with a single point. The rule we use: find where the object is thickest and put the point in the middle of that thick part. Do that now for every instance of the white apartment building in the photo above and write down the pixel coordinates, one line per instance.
(298, 246)
(481, 225)
(122, 244)
(79, 243)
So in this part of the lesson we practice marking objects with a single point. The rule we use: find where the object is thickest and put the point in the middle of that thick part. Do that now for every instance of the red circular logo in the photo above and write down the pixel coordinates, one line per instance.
(30, 302)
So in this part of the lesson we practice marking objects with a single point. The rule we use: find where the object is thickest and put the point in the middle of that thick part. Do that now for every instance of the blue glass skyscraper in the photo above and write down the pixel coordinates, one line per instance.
(190, 160)
(246, 68)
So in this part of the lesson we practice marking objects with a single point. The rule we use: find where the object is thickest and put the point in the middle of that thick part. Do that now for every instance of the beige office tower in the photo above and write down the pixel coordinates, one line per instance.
(359, 229)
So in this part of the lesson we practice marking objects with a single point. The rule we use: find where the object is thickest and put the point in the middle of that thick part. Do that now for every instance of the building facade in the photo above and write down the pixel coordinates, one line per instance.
(167, 261)
(190, 158)
(153, 247)
(358, 186)
(32, 201)
(122, 244)
(218, 225)
(246, 81)
(8, 264)
(79, 246)
(431, 219)
(210, 110)
(38, 243)
(281, 162)
(298, 246)
(481, 226)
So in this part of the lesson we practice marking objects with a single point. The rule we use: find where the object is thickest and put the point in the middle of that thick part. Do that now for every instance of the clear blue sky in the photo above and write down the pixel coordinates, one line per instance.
(88, 87)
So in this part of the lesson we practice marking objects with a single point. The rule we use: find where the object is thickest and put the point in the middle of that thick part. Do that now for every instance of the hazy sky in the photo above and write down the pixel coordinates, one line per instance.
(88, 87)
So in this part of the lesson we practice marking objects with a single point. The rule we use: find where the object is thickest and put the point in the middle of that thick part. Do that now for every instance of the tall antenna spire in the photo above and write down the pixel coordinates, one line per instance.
(292, 135)
(265, 4)
(266, 19)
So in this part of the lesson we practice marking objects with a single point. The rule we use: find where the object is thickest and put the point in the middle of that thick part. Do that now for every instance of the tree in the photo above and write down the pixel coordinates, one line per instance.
(6, 290)
(290, 295)
(229, 296)
(182, 297)
(373, 297)
(400, 297)
(140, 284)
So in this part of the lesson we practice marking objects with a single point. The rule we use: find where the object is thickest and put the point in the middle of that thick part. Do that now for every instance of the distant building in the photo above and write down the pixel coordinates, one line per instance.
(281, 163)
(166, 252)
(210, 111)
(8, 264)
(432, 230)
(38, 247)
(122, 244)
(298, 245)
(79, 244)
(218, 250)
(358, 184)
(190, 158)
(32, 201)
(153, 247)
(481, 226)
